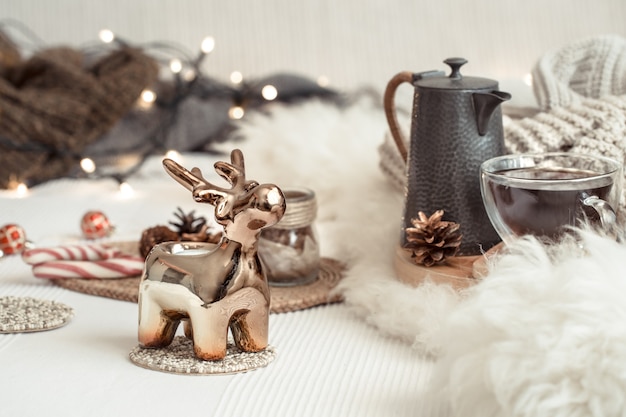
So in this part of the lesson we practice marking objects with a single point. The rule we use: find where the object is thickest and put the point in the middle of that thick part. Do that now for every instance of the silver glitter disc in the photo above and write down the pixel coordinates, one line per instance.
(26, 314)
(179, 358)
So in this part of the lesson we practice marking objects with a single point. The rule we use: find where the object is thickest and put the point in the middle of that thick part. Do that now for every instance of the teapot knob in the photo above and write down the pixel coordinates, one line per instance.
(455, 64)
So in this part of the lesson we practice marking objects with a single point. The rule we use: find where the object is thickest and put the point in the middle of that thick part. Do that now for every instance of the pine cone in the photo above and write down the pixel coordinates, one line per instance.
(189, 223)
(155, 235)
(431, 240)
(189, 228)
(202, 235)
(194, 229)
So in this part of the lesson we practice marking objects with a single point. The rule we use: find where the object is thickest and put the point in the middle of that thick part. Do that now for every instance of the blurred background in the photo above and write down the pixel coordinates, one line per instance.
(347, 44)
(196, 67)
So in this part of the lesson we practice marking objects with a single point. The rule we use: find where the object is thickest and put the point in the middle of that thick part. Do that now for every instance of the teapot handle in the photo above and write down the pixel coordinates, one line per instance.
(390, 109)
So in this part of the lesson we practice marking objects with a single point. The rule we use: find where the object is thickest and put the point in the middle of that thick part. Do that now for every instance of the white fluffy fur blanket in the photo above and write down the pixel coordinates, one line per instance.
(543, 335)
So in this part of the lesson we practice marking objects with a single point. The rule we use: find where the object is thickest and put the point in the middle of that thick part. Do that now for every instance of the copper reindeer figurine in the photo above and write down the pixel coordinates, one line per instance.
(213, 287)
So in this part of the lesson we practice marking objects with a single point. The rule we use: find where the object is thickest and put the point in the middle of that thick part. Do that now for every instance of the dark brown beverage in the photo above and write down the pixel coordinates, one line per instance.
(543, 208)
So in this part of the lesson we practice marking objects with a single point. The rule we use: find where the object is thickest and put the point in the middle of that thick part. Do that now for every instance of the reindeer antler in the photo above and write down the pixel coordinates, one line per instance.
(203, 190)
(235, 172)
(187, 179)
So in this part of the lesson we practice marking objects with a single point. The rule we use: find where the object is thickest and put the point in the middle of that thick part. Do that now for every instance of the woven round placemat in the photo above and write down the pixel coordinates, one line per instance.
(179, 358)
(27, 314)
(283, 299)
(298, 297)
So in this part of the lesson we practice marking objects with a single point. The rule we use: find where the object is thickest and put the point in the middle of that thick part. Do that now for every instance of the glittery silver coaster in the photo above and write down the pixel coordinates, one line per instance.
(179, 358)
(27, 314)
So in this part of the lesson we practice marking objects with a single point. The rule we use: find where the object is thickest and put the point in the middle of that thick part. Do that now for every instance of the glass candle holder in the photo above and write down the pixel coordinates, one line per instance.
(290, 249)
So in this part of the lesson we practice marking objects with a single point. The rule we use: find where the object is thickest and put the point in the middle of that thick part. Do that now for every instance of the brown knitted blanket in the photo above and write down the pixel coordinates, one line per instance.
(55, 103)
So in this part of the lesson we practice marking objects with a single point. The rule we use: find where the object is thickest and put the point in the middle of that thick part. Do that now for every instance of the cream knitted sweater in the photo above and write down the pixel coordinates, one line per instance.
(590, 68)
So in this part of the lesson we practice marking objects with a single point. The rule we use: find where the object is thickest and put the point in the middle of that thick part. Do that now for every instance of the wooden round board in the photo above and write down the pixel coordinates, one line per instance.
(460, 271)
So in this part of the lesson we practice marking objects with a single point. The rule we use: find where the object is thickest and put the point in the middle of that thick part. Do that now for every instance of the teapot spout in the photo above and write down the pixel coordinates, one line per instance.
(484, 105)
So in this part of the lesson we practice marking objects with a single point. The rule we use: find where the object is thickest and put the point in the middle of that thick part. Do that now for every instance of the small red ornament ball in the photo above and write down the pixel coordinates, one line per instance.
(12, 239)
(95, 224)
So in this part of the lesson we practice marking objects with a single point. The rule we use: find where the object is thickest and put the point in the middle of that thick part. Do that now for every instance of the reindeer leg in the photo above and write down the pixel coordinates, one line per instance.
(156, 328)
(188, 329)
(209, 332)
(250, 328)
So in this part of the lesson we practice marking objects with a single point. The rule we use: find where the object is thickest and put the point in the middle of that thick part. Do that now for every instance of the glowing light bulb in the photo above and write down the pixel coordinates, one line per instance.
(323, 81)
(21, 189)
(174, 155)
(106, 36)
(236, 112)
(528, 79)
(88, 165)
(126, 190)
(146, 99)
(269, 92)
(236, 77)
(148, 96)
(17, 187)
(208, 44)
(176, 66)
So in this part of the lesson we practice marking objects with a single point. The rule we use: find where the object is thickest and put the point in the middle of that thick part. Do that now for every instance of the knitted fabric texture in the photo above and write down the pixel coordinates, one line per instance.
(582, 124)
(593, 67)
(53, 106)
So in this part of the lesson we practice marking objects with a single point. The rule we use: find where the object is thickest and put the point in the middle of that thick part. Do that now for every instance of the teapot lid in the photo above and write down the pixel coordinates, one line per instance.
(455, 81)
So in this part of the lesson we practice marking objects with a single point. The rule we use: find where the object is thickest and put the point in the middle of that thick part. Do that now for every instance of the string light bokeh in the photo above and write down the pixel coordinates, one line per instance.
(181, 81)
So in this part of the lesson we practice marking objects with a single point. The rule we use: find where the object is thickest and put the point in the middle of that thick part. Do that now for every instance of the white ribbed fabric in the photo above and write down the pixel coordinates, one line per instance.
(340, 379)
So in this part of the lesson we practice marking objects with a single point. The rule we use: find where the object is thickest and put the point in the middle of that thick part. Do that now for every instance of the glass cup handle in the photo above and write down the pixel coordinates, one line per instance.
(604, 210)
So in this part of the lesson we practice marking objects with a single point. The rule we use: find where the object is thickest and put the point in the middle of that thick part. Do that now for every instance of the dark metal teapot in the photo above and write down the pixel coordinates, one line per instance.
(456, 124)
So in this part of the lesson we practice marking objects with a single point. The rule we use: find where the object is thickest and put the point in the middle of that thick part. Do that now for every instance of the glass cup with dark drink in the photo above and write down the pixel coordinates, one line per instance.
(544, 194)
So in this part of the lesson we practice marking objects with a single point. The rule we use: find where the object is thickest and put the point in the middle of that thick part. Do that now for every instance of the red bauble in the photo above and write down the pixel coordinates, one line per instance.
(95, 224)
(12, 239)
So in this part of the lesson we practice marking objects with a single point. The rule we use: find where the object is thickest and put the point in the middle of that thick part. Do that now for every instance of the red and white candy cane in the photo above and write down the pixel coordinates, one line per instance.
(83, 261)
(94, 252)
(124, 266)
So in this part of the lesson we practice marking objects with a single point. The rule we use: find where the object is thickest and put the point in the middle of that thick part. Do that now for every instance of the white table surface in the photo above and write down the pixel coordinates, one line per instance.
(328, 363)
